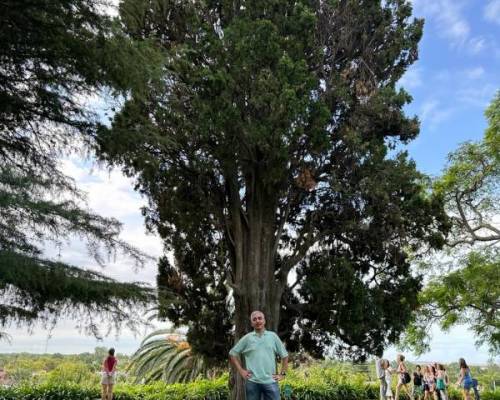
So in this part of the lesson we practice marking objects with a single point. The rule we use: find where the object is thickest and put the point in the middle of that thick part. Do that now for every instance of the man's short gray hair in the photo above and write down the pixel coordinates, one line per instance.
(256, 312)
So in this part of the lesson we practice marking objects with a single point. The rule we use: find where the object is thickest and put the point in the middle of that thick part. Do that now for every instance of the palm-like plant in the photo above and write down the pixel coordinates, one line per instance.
(166, 356)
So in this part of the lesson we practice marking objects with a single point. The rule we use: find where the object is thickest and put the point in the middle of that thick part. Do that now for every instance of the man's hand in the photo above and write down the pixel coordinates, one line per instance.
(245, 374)
(278, 377)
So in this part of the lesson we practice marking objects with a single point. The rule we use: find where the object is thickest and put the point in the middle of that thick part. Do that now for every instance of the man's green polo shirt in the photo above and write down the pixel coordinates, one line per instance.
(259, 352)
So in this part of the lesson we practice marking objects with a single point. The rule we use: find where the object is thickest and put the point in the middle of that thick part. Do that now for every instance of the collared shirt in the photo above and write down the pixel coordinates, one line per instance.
(259, 352)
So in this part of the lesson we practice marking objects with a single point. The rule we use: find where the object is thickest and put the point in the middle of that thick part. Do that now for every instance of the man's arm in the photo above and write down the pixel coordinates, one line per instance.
(284, 369)
(280, 350)
(245, 374)
(284, 365)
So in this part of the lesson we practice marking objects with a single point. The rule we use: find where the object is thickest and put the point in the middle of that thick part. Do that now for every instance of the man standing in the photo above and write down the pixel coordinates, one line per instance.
(259, 350)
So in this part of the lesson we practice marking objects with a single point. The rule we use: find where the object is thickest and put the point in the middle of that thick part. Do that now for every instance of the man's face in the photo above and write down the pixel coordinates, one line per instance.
(258, 321)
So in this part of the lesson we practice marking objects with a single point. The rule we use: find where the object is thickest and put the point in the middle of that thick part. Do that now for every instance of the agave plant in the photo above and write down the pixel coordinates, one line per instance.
(166, 356)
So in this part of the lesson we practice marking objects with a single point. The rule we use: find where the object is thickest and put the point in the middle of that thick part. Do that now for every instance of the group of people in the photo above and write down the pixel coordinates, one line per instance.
(429, 383)
(254, 358)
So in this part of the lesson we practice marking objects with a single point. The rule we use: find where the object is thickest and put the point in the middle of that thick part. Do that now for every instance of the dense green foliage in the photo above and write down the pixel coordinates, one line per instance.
(52, 377)
(319, 384)
(53, 56)
(264, 149)
(470, 293)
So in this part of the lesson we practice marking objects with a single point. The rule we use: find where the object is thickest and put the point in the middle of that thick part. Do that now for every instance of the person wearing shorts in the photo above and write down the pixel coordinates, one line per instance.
(108, 373)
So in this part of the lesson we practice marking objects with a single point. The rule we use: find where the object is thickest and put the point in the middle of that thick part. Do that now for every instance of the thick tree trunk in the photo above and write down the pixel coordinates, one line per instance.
(253, 260)
(257, 287)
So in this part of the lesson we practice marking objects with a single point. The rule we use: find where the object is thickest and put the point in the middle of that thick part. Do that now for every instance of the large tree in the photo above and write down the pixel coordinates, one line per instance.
(466, 286)
(268, 153)
(53, 55)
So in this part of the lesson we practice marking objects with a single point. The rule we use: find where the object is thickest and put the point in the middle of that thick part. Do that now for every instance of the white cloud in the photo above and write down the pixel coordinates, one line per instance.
(432, 113)
(447, 14)
(111, 195)
(477, 96)
(492, 11)
(108, 192)
(474, 73)
(412, 79)
(476, 44)
(450, 23)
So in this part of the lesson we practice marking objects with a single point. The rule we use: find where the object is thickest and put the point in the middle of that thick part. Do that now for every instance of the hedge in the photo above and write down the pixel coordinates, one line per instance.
(202, 390)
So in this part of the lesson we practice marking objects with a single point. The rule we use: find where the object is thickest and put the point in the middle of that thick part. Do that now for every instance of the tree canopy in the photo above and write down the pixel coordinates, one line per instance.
(53, 55)
(267, 150)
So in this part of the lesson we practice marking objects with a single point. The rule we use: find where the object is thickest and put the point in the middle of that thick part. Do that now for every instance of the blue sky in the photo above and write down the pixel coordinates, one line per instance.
(455, 78)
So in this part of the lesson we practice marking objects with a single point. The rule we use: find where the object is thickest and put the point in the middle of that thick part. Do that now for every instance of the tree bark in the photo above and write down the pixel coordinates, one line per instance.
(253, 264)
(257, 293)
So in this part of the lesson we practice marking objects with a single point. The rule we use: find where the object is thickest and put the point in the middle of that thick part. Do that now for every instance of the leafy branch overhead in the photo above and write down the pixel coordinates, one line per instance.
(54, 55)
(41, 290)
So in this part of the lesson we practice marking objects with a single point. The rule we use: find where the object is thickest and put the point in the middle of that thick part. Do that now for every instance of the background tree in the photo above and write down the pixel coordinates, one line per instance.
(264, 153)
(466, 288)
(53, 56)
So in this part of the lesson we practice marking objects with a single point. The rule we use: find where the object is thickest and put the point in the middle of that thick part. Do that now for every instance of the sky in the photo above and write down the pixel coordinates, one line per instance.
(453, 81)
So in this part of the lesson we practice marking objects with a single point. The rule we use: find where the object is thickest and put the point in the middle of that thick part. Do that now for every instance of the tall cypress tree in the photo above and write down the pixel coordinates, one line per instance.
(267, 151)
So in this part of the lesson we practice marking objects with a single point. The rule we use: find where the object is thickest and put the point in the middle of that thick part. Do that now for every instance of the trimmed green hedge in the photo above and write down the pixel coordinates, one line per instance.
(202, 390)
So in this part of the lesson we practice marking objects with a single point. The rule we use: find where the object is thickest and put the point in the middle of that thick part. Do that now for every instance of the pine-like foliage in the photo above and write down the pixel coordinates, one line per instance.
(53, 55)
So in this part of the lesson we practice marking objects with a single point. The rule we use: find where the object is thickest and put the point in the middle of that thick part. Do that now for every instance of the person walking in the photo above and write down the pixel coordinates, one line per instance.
(464, 379)
(259, 350)
(108, 375)
(403, 376)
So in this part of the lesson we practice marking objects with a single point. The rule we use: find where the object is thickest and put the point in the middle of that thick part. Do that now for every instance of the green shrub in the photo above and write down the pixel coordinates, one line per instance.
(490, 395)
(312, 387)
(50, 392)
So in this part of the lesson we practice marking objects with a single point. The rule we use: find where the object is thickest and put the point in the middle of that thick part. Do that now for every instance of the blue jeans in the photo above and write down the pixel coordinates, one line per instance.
(258, 391)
